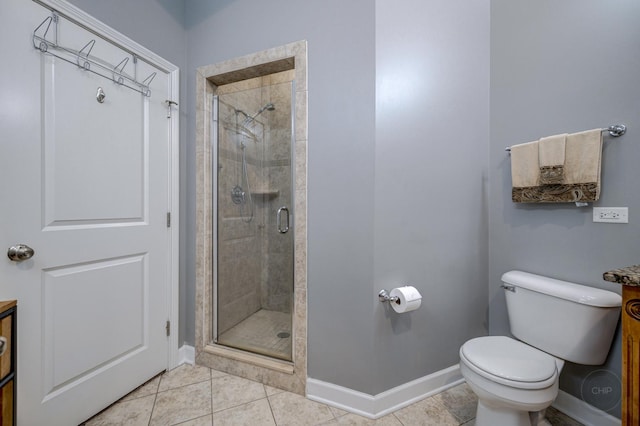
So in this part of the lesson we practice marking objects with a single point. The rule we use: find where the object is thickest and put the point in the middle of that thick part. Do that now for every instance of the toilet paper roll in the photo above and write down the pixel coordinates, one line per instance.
(409, 299)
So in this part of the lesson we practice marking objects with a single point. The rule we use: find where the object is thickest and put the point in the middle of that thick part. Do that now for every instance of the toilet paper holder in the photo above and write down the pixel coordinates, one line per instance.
(383, 296)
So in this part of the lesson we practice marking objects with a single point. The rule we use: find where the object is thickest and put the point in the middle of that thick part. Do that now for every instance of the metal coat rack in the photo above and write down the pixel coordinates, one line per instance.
(83, 59)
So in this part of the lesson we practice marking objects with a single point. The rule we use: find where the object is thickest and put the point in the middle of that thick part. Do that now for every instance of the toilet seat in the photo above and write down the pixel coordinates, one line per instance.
(509, 362)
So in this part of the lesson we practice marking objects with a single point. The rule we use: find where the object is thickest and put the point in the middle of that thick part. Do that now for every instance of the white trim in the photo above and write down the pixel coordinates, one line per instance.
(376, 406)
(173, 286)
(97, 27)
(186, 355)
(585, 413)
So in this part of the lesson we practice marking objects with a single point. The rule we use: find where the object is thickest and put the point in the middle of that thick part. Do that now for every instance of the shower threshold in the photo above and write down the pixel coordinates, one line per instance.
(265, 333)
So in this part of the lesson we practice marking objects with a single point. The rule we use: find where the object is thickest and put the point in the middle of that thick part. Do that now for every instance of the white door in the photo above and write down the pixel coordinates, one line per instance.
(86, 185)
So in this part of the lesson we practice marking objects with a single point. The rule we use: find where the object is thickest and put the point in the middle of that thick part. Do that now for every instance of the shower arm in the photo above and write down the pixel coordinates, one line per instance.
(239, 111)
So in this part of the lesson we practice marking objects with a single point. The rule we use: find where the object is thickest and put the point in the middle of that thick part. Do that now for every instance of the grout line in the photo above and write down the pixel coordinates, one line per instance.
(396, 417)
(155, 398)
(211, 393)
(190, 420)
(273, 416)
(183, 386)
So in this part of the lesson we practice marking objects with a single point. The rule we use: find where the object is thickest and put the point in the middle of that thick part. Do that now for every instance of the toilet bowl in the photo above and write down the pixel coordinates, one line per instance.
(510, 378)
(553, 321)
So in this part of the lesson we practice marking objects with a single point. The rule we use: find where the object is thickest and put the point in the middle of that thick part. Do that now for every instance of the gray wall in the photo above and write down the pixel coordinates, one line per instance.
(563, 67)
(430, 192)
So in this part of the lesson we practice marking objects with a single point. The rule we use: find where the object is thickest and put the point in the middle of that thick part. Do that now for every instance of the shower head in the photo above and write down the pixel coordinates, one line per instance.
(267, 107)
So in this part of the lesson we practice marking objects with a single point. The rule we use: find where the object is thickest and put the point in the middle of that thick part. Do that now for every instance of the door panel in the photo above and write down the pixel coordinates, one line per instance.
(79, 338)
(96, 152)
(86, 185)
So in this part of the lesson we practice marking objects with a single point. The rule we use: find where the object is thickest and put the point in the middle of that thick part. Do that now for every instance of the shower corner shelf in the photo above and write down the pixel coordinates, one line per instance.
(266, 193)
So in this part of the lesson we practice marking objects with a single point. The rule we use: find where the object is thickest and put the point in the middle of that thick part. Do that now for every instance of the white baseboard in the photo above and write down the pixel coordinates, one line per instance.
(186, 355)
(376, 406)
(581, 411)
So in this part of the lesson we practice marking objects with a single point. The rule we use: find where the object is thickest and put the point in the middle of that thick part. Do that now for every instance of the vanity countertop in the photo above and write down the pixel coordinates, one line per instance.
(6, 304)
(627, 276)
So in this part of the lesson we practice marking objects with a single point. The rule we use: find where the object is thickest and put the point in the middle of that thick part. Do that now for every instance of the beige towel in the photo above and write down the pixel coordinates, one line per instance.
(581, 174)
(583, 157)
(525, 169)
(551, 156)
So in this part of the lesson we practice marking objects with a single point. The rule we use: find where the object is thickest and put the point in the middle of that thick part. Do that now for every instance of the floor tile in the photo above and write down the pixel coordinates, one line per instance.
(230, 391)
(182, 404)
(184, 375)
(337, 412)
(149, 388)
(216, 373)
(558, 418)
(271, 390)
(294, 410)
(460, 401)
(200, 421)
(198, 396)
(131, 413)
(427, 412)
(355, 420)
(256, 413)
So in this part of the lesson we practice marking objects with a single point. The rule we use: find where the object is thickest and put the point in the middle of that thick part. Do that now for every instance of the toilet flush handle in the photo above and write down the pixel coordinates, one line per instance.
(508, 287)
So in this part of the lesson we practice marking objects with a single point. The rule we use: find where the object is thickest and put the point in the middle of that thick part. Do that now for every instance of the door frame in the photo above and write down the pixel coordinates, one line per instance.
(79, 17)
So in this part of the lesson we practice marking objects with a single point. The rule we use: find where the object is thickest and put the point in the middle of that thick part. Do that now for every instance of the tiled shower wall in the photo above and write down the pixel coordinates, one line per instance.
(277, 283)
(255, 262)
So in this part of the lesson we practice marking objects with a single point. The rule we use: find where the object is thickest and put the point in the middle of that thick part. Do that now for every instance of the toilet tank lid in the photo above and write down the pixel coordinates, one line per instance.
(563, 289)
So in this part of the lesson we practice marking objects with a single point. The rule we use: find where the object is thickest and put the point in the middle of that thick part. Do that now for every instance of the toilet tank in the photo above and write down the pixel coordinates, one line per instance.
(570, 321)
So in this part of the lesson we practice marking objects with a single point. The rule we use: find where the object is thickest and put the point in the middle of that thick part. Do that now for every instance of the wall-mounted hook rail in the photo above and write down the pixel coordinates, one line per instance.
(48, 44)
(83, 55)
(118, 71)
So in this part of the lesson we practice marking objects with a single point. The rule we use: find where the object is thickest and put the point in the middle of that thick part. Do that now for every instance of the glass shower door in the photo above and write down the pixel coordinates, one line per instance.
(253, 227)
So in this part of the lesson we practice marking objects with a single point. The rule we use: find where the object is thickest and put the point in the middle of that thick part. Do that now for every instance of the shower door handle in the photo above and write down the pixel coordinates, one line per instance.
(279, 220)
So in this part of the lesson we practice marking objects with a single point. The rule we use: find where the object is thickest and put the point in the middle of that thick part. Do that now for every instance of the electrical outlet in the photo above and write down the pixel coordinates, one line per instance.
(611, 214)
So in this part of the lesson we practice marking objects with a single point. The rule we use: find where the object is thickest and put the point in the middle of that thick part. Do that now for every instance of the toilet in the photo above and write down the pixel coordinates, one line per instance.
(553, 321)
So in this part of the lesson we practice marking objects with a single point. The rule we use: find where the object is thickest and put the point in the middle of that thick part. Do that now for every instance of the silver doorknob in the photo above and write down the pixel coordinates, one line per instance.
(20, 252)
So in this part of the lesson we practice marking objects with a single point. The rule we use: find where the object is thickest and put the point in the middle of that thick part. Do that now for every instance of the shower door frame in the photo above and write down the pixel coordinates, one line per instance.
(286, 375)
(215, 141)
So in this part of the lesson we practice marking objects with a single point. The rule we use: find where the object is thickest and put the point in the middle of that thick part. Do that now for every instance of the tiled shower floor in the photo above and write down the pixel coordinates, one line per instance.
(198, 396)
(265, 332)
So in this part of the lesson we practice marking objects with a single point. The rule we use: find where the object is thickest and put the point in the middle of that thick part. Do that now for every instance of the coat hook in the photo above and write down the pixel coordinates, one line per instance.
(100, 95)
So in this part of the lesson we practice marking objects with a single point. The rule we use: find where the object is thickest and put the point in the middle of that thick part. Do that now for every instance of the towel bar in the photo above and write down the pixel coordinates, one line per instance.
(615, 131)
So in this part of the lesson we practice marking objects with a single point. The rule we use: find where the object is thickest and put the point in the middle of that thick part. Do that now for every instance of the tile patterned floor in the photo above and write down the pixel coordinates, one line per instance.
(198, 396)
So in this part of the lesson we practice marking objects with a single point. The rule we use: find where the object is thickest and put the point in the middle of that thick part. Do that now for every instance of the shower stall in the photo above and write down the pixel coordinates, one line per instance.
(252, 148)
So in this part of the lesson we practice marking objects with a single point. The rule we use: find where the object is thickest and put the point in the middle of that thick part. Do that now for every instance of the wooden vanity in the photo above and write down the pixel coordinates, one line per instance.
(630, 280)
(8, 363)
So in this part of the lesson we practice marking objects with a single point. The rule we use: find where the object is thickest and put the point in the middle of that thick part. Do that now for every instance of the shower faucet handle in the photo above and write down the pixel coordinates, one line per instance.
(237, 195)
